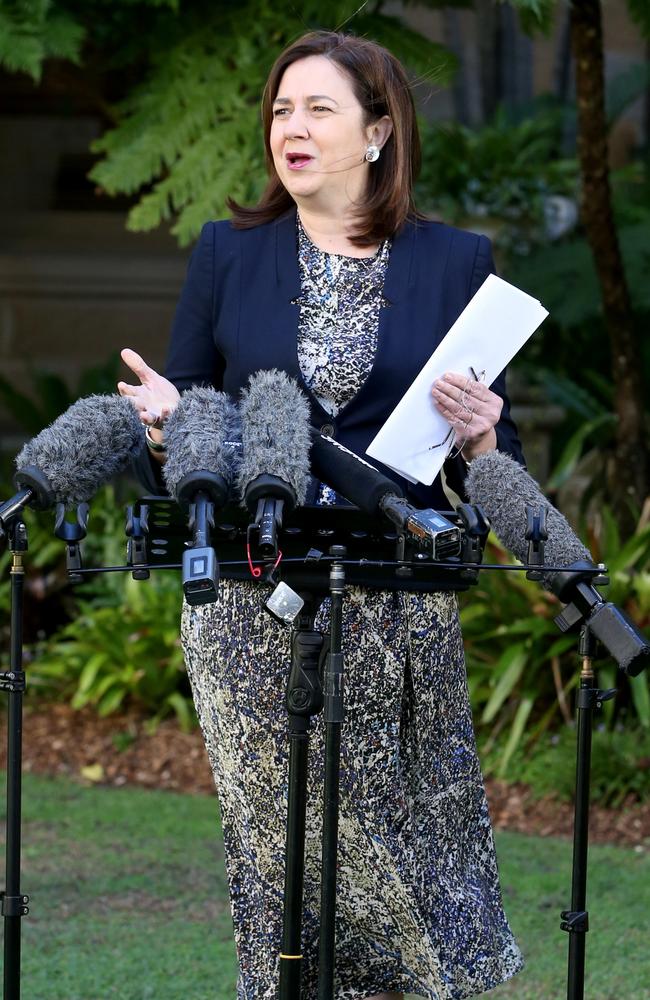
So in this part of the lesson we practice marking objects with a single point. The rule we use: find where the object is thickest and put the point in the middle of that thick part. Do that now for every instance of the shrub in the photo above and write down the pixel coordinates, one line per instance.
(620, 765)
(118, 654)
(521, 669)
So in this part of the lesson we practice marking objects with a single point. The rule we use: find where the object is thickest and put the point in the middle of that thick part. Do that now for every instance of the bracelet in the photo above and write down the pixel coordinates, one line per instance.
(152, 445)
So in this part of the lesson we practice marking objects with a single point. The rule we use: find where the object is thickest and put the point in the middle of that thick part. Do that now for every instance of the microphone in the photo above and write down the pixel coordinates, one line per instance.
(506, 491)
(68, 461)
(376, 494)
(201, 435)
(274, 472)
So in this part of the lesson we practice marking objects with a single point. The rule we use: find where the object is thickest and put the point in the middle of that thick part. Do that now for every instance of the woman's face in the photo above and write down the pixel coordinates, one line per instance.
(318, 139)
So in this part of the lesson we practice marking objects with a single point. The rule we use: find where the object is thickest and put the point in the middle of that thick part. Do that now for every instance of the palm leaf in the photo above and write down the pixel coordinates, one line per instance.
(509, 670)
(517, 731)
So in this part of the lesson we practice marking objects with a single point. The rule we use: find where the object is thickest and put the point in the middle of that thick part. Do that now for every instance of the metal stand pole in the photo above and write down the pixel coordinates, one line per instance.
(304, 699)
(576, 920)
(14, 903)
(333, 690)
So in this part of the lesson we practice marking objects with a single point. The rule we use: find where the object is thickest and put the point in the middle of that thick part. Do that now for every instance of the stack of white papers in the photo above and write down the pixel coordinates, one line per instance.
(495, 324)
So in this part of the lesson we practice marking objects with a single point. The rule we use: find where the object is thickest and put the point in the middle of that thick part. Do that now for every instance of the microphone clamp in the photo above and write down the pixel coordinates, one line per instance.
(536, 536)
(268, 498)
(12, 508)
(202, 491)
(200, 568)
(476, 527)
(72, 532)
(31, 478)
(624, 642)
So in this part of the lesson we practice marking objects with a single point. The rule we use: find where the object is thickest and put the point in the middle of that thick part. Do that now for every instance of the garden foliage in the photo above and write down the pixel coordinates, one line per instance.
(184, 137)
(499, 176)
(522, 671)
(110, 642)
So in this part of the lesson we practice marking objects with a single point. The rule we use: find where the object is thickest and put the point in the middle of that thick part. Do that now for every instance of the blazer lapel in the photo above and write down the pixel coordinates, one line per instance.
(400, 274)
(286, 255)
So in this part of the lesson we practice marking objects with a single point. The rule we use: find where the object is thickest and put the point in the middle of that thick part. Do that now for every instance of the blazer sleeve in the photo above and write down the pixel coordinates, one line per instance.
(192, 358)
(455, 469)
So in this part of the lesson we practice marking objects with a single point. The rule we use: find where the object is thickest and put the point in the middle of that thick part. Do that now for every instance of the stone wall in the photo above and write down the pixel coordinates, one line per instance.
(75, 287)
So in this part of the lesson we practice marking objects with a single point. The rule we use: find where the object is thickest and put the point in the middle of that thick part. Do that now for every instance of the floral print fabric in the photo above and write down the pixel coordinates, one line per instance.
(418, 904)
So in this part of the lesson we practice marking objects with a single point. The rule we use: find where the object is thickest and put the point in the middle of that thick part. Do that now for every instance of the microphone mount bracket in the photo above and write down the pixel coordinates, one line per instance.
(536, 536)
(476, 526)
(72, 532)
(11, 511)
(137, 531)
(200, 571)
(617, 633)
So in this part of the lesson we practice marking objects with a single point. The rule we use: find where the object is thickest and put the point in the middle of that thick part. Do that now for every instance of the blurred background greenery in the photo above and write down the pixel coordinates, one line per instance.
(176, 86)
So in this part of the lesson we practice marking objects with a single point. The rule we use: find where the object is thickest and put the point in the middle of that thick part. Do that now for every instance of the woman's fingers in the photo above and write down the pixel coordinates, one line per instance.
(155, 397)
(137, 365)
(461, 389)
(125, 389)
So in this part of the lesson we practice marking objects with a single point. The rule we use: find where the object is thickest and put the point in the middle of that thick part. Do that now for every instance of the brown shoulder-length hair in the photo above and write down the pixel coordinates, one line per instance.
(382, 88)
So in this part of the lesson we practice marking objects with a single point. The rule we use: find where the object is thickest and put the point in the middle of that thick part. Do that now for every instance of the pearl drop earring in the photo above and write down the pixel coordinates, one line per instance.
(372, 153)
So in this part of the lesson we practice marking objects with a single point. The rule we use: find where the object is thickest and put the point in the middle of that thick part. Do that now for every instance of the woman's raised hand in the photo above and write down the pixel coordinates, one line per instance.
(155, 397)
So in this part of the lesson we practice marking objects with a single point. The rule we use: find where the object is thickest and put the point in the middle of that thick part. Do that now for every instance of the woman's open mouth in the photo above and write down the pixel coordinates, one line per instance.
(296, 161)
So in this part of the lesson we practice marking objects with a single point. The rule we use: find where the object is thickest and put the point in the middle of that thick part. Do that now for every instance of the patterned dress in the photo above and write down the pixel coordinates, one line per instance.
(419, 906)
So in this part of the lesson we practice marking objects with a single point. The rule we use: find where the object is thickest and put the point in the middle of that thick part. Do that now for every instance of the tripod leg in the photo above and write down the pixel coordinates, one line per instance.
(291, 953)
(576, 920)
(333, 721)
(304, 699)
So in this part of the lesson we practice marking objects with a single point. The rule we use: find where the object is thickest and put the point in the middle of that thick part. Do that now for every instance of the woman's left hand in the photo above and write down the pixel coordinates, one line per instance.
(471, 408)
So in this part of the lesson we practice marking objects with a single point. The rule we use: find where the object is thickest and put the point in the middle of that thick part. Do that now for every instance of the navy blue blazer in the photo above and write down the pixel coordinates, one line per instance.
(238, 314)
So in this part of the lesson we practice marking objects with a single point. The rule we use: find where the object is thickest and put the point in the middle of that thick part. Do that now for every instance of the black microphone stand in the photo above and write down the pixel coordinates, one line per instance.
(576, 920)
(14, 902)
(601, 621)
(333, 691)
(306, 696)
(304, 699)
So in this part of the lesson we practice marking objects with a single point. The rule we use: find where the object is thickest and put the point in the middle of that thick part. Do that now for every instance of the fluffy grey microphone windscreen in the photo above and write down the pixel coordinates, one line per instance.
(85, 446)
(276, 435)
(201, 434)
(504, 490)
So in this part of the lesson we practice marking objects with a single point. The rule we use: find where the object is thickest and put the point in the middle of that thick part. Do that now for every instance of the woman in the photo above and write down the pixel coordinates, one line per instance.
(335, 279)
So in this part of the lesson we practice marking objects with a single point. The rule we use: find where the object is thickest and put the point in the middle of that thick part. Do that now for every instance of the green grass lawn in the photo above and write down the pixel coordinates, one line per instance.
(128, 900)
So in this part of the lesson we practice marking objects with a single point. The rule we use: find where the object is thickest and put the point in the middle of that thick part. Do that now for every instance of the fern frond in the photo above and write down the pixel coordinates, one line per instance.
(31, 31)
